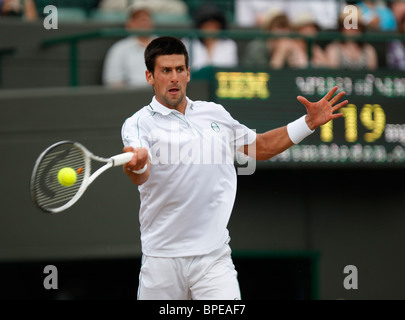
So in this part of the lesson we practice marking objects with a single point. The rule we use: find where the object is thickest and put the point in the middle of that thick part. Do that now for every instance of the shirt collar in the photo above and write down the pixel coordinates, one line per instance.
(156, 106)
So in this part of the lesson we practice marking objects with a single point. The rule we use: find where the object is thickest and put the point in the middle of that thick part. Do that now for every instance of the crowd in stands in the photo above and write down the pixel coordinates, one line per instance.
(276, 17)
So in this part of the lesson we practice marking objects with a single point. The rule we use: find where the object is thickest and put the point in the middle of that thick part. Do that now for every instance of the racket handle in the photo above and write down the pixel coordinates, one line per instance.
(121, 159)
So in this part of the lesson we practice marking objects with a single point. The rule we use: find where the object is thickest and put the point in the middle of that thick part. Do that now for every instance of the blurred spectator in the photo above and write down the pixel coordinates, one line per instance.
(211, 51)
(272, 52)
(351, 53)
(306, 25)
(114, 5)
(325, 12)
(155, 6)
(248, 13)
(396, 49)
(19, 8)
(377, 16)
(124, 63)
(398, 9)
(279, 52)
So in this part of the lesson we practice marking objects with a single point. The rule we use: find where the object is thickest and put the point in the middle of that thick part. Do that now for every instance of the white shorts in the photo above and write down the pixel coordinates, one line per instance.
(207, 277)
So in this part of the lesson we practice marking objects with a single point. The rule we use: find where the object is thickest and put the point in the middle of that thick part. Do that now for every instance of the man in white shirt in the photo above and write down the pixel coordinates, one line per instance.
(211, 51)
(183, 165)
(124, 63)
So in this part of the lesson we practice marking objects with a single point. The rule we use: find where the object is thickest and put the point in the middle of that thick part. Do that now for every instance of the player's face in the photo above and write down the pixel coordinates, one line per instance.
(170, 80)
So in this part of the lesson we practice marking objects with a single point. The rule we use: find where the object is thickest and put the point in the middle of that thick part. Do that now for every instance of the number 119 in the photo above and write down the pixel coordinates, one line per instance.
(372, 118)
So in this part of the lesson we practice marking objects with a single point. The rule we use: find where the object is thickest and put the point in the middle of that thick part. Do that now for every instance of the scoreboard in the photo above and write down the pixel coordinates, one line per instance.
(370, 133)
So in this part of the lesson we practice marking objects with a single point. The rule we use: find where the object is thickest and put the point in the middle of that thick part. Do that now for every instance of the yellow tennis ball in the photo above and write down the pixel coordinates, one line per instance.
(67, 176)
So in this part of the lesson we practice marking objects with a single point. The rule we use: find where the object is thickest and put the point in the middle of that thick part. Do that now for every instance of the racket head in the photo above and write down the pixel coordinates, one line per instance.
(47, 192)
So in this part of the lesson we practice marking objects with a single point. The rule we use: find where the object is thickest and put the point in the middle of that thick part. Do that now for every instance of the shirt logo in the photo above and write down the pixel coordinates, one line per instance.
(215, 127)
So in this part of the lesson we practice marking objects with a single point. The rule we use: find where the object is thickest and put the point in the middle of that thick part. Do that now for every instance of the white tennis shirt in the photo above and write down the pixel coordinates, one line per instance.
(187, 201)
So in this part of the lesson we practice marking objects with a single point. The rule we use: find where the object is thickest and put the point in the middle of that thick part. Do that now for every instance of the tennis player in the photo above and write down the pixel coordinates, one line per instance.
(183, 164)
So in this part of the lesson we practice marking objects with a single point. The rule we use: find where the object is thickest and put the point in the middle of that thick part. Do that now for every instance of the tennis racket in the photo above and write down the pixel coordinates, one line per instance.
(48, 193)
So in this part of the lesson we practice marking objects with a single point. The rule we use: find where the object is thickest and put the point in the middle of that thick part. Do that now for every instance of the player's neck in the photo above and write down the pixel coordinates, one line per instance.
(180, 107)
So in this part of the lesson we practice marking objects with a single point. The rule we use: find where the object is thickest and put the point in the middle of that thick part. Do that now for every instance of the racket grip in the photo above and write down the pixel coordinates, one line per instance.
(121, 159)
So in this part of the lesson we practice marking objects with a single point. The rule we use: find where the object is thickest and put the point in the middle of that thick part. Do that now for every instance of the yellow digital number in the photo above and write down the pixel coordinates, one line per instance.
(350, 115)
(373, 118)
(327, 131)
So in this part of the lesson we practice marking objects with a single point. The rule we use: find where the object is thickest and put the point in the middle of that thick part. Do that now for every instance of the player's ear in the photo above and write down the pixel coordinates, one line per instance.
(149, 77)
(188, 74)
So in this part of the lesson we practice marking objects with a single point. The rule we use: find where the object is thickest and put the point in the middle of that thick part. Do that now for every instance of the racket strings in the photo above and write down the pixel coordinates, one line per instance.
(49, 193)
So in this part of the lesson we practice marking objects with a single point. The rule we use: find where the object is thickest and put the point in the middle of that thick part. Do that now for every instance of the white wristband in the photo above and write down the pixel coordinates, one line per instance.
(142, 170)
(298, 130)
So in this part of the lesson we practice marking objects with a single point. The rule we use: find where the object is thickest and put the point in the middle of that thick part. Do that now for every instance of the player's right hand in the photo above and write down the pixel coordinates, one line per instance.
(138, 162)
(139, 159)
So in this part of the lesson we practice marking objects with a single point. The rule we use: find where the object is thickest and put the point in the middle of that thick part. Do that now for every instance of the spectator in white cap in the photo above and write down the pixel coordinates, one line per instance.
(124, 64)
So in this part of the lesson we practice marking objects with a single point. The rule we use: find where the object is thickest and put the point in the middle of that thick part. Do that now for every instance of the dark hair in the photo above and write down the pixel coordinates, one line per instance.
(208, 12)
(163, 46)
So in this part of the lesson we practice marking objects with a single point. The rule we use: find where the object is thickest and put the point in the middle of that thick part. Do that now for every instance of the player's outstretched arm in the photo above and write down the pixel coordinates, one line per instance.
(140, 162)
(273, 142)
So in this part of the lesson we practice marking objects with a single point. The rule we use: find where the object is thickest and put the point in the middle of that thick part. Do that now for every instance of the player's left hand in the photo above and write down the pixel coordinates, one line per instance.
(321, 112)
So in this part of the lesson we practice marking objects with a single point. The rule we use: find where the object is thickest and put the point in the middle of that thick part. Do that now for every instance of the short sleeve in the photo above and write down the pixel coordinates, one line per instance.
(241, 134)
(134, 133)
